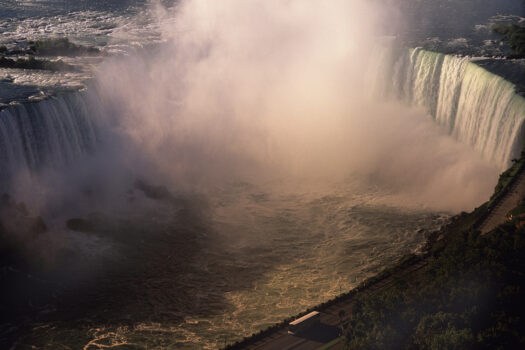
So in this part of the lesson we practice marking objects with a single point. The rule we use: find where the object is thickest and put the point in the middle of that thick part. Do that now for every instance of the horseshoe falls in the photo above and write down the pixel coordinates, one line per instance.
(50, 133)
(477, 107)
(203, 179)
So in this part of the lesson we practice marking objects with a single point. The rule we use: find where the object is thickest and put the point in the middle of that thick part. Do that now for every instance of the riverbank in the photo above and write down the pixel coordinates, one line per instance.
(370, 313)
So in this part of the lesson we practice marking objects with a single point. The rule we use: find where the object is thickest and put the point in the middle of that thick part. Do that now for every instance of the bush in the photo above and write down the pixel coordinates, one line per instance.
(515, 36)
(470, 297)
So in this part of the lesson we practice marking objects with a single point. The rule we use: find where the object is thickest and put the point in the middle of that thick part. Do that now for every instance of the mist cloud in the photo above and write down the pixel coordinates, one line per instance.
(256, 91)
(265, 89)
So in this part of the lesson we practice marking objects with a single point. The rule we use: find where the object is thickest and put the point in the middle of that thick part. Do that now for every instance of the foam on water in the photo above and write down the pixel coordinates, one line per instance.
(115, 30)
(161, 278)
(48, 134)
(85, 27)
(267, 254)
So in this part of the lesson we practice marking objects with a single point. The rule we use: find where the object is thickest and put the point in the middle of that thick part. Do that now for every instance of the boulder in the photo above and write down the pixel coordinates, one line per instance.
(79, 225)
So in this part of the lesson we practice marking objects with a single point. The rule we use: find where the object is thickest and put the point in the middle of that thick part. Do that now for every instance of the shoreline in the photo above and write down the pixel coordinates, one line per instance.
(406, 266)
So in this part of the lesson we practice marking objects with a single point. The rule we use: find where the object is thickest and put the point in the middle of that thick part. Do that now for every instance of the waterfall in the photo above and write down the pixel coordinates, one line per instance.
(49, 133)
(477, 107)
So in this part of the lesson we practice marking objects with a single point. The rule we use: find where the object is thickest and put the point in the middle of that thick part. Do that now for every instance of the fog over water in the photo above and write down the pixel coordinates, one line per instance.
(243, 172)
(262, 91)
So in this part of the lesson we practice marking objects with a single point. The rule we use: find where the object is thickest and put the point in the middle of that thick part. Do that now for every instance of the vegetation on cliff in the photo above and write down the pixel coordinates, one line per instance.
(470, 296)
(515, 36)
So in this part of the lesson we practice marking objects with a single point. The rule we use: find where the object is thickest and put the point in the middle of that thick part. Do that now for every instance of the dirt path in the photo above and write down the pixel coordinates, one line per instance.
(509, 202)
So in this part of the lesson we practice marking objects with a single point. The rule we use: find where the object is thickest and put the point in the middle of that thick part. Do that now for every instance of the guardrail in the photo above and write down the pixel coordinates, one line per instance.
(366, 284)
(514, 174)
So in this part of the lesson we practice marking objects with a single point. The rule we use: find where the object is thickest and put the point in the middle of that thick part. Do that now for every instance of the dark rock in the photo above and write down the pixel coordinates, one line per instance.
(80, 225)
(33, 63)
(154, 192)
(16, 219)
(5, 200)
(38, 226)
(60, 47)
(22, 209)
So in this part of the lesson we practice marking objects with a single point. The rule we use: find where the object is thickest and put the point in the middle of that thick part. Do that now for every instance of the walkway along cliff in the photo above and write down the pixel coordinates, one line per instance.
(478, 108)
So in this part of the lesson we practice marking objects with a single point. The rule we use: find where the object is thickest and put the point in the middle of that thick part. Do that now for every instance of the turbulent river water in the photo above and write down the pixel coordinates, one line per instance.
(203, 271)
(194, 267)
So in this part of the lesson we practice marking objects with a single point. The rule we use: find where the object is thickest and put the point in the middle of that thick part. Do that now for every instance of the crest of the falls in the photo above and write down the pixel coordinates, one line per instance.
(477, 107)
(48, 133)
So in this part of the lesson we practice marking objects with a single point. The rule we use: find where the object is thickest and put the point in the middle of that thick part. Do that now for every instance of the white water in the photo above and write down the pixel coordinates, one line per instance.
(50, 133)
(267, 254)
(478, 108)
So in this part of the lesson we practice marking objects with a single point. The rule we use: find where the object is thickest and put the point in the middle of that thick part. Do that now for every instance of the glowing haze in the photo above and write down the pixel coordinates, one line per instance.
(259, 90)
(266, 92)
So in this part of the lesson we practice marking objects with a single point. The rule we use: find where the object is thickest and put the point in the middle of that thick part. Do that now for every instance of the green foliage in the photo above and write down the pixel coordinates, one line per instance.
(515, 35)
(3, 50)
(33, 63)
(60, 46)
(332, 344)
(517, 214)
(506, 178)
(443, 331)
(501, 29)
(470, 297)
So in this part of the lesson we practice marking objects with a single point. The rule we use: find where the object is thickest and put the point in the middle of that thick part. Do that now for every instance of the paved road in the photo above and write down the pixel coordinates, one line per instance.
(509, 202)
(330, 321)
